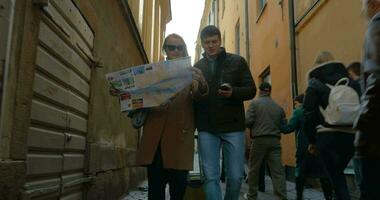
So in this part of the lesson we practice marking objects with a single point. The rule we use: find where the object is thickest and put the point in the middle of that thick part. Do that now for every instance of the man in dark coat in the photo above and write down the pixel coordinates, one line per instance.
(367, 140)
(219, 117)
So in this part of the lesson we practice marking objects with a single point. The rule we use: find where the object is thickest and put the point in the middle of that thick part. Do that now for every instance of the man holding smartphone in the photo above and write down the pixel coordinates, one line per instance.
(219, 117)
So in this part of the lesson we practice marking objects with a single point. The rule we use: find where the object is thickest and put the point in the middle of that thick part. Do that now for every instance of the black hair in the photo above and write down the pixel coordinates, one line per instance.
(354, 67)
(210, 31)
(265, 86)
(299, 98)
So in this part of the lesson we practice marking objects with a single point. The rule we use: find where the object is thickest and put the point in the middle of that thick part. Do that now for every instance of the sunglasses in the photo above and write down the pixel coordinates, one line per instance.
(171, 47)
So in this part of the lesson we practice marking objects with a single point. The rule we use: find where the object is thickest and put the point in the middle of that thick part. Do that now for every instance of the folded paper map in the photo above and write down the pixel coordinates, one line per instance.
(151, 85)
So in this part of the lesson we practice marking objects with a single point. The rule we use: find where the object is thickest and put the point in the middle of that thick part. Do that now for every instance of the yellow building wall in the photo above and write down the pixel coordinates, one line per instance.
(227, 17)
(270, 47)
(204, 22)
(234, 13)
(334, 25)
(331, 25)
(155, 15)
(302, 6)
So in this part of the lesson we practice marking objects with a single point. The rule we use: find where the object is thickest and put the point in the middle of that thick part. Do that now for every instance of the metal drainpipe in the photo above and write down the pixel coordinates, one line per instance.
(247, 34)
(9, 7)
(293, 49)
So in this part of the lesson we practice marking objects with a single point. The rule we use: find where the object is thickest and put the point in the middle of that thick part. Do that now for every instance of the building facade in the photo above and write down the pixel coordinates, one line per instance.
(285, 38)
(250, 30)
(327, 25)
(231, 17)
(61, 134)
(270, 58)
(209, 17)
(281, 38)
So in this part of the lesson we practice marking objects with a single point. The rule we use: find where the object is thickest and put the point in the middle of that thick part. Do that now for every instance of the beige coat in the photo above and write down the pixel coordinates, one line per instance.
(172, 126)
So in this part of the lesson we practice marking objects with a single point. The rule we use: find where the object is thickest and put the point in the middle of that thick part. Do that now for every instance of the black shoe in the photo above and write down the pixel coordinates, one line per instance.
(223, 180)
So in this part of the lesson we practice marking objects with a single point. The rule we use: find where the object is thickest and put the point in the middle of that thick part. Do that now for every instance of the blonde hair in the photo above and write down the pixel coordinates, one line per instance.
(323, 57)
(174, 35)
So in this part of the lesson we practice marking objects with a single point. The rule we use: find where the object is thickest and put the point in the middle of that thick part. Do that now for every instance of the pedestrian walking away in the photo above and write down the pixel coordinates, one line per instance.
(329, 129)
(265, 118)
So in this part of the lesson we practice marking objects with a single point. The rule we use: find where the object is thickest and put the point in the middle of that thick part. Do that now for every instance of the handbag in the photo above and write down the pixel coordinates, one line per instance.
(196, 178)
(138, 117)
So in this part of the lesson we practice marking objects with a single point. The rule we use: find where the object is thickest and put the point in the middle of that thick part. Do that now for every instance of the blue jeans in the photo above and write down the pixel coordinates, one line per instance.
(233, 151)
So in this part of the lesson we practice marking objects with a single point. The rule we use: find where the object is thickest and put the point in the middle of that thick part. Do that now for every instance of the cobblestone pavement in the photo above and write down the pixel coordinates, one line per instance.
(139, 193)
(309, 194)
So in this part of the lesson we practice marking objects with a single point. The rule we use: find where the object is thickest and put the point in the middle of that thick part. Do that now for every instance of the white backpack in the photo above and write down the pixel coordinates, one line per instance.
(343, 105)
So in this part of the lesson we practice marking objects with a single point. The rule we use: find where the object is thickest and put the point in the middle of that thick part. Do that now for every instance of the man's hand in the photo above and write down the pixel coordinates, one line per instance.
(199, 82)
(313, 149)
(225, 93)
(225, 90)
(197, 75)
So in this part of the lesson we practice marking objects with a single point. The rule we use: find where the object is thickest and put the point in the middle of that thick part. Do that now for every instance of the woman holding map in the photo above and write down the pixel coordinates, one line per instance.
(167, 144)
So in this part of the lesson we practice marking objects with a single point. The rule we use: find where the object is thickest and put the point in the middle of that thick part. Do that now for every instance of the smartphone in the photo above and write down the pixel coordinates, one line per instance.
(225, 86)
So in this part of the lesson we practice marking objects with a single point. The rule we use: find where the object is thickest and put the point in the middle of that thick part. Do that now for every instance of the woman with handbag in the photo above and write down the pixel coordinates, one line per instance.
(167, 143)
(330, 106)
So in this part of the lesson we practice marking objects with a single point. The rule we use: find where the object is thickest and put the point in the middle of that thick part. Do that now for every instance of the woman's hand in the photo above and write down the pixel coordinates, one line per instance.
(113, 91)
(197, 74)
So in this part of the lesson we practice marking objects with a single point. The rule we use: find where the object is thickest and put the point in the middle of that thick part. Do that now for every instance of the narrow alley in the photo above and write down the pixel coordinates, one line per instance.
(98, 96)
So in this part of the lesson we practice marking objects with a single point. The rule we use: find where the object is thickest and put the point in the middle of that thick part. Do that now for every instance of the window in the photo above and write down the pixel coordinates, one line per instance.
(223, 6)
(265, 76)
(261, 4)
(303, 8)
(237, 37)
(213, 15)
(215, 11)
(213, 5)
(224, 39)
(141, 14)
(260, 7)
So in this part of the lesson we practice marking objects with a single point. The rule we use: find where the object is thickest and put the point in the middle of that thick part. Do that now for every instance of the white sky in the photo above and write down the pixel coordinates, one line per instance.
(186, 17)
